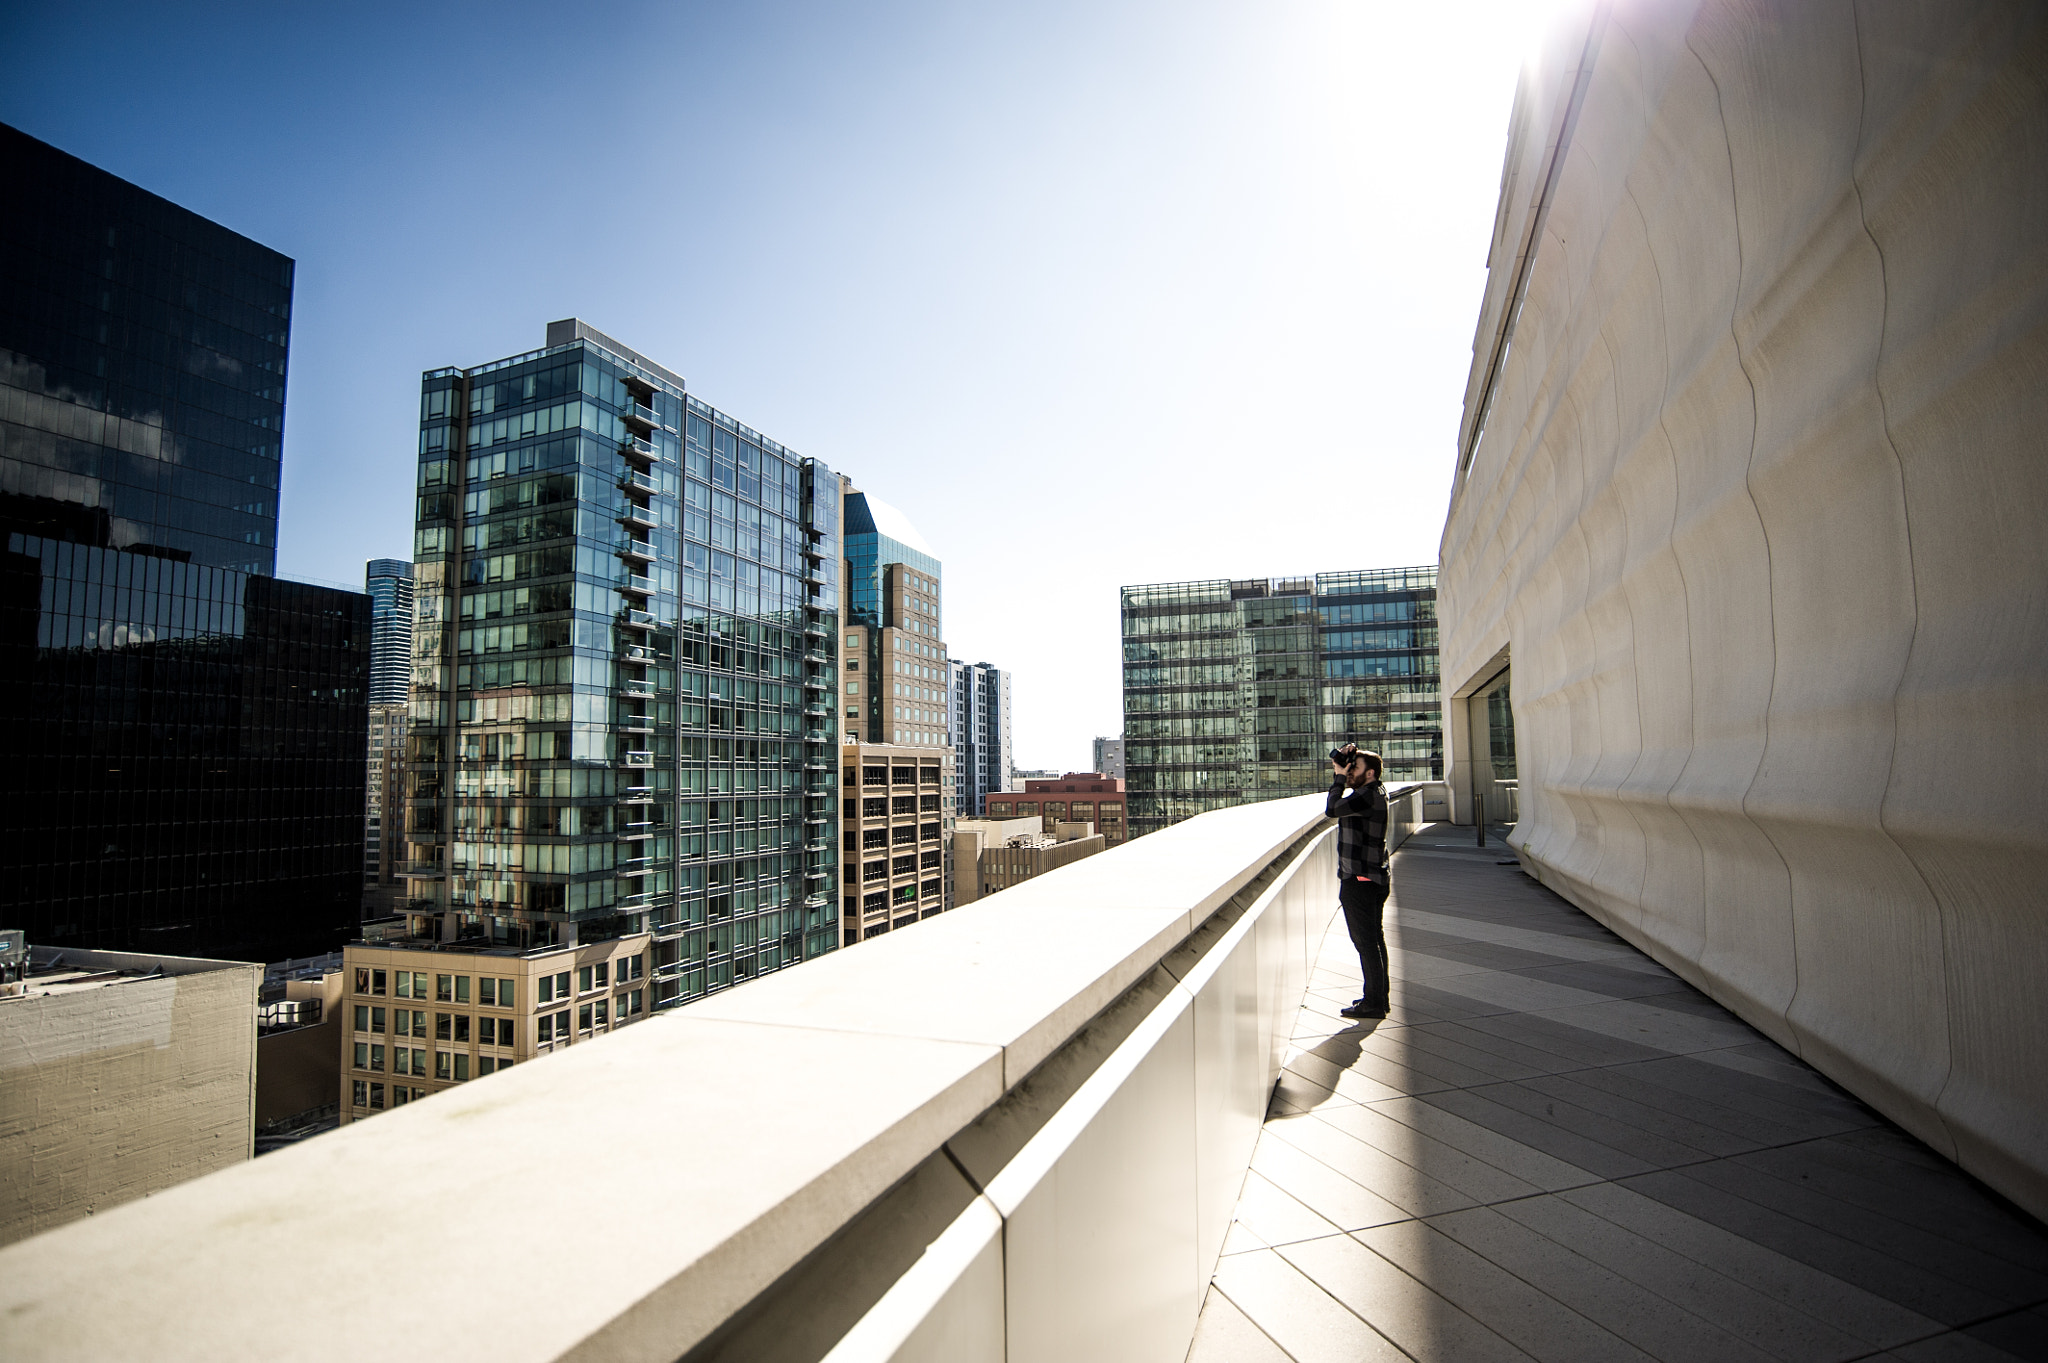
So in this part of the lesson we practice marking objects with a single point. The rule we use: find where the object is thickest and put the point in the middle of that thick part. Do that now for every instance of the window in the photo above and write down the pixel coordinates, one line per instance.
(546, 989)
(376, 1095)
(462, 989)
(602, 1008)
(401, 1022)
(376, 1057)
(398, 1095)
(505, 994)
(506, 1035)
(362, 1017)
(444, 988)
(583, 1018)
(443, 1025)
(461, 1067)
(544, 1029)
(485, 1065)
(461, 1028)
(441, 1060)
(376, 1019)
(562, 985)
(419, 1023)
(369, 981)
(487, 992)
(401, 984)
(603, 969)
(638, 966)
(362, 1055)
(360, 1092)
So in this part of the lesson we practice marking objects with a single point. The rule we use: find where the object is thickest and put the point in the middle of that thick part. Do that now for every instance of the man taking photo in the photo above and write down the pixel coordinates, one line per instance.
(1358, 802)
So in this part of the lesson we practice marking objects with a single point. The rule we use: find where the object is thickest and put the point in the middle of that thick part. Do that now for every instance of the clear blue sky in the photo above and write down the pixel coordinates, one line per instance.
(1095, 293)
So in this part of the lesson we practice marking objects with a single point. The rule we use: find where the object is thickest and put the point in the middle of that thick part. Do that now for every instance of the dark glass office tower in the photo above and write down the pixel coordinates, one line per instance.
(624, 670)
(184, 746)
(1236, 691)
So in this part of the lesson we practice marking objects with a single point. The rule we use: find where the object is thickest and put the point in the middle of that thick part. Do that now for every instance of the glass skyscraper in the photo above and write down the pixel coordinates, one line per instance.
(1235, 691)
(624, 671)
(389, 584)
(185, 737)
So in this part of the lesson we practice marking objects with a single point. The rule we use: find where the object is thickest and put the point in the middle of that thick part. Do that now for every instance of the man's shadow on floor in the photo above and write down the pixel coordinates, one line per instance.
(1342, 1049)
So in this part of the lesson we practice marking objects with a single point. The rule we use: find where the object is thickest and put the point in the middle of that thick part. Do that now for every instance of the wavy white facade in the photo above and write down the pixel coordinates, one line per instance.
(1753, 500)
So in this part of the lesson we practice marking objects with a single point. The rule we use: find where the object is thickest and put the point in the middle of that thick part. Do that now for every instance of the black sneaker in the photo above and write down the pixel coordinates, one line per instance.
(1361, 1010)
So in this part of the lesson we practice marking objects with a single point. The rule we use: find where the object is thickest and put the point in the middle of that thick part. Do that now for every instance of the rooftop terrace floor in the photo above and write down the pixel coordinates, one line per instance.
(1554, 1148)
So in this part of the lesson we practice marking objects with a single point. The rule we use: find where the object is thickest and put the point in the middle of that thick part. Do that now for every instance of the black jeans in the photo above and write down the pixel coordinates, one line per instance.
(1362, 901)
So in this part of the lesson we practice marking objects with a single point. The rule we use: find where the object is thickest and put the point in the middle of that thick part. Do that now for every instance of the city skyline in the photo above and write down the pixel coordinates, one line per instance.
(942, 243)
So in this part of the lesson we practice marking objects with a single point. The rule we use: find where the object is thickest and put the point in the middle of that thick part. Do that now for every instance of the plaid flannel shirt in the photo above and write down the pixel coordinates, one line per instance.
(1361, 831)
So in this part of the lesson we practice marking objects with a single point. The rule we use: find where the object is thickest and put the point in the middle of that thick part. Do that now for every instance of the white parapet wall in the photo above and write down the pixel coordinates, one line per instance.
(1751, 498)
(1016, 1133)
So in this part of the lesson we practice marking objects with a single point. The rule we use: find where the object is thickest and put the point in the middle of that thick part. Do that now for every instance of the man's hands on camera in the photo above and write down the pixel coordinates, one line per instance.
(1352, 770)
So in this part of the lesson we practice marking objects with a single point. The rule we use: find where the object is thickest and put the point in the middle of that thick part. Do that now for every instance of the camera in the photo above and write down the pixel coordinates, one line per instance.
(1342, 757)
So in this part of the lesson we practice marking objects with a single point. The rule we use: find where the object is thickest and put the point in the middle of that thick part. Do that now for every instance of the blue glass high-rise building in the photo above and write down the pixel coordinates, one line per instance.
(388, 582)
(183, 755)
(624, 670)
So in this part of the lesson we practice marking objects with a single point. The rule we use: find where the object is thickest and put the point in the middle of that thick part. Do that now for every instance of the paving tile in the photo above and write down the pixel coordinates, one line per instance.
(1652, 1121)
(1711, 1101)
(1372, 1077)
(1805, 1113)
(1863, 1170)
(1540, 1131)
(1511, 1306)
(1778, 1277)
(1238, 1240)
(1403, 1185)
(1423, 1323)
(1672, 1030)
(1275, 1216)
(1512, 1050)
(1476, 1178)
(1532, 1166)
(1433, 1004)
(1288, 1308)
(1519, 993)
(1336, 1197)
(1617, 978)
(1782, 1180)
(1226, 1335)
(1761, 1321)
(2023, 1334)
(1954, 1346)
(1705, 1191)
(1294, 1093)
(1575, 1044)
(1399, 1046)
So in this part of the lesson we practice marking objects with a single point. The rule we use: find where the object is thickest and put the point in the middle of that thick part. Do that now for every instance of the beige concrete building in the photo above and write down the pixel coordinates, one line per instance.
(990, 855)
(895, 819)
(298, 1084)
(120, 1075)
(418, 1018)
(1749, 509)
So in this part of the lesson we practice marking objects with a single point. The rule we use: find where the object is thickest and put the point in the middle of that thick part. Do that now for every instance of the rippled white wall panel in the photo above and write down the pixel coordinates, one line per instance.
(1760, 511)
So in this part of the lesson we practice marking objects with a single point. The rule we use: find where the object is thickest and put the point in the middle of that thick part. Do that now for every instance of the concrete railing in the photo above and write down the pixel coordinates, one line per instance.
(1018, 1132)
